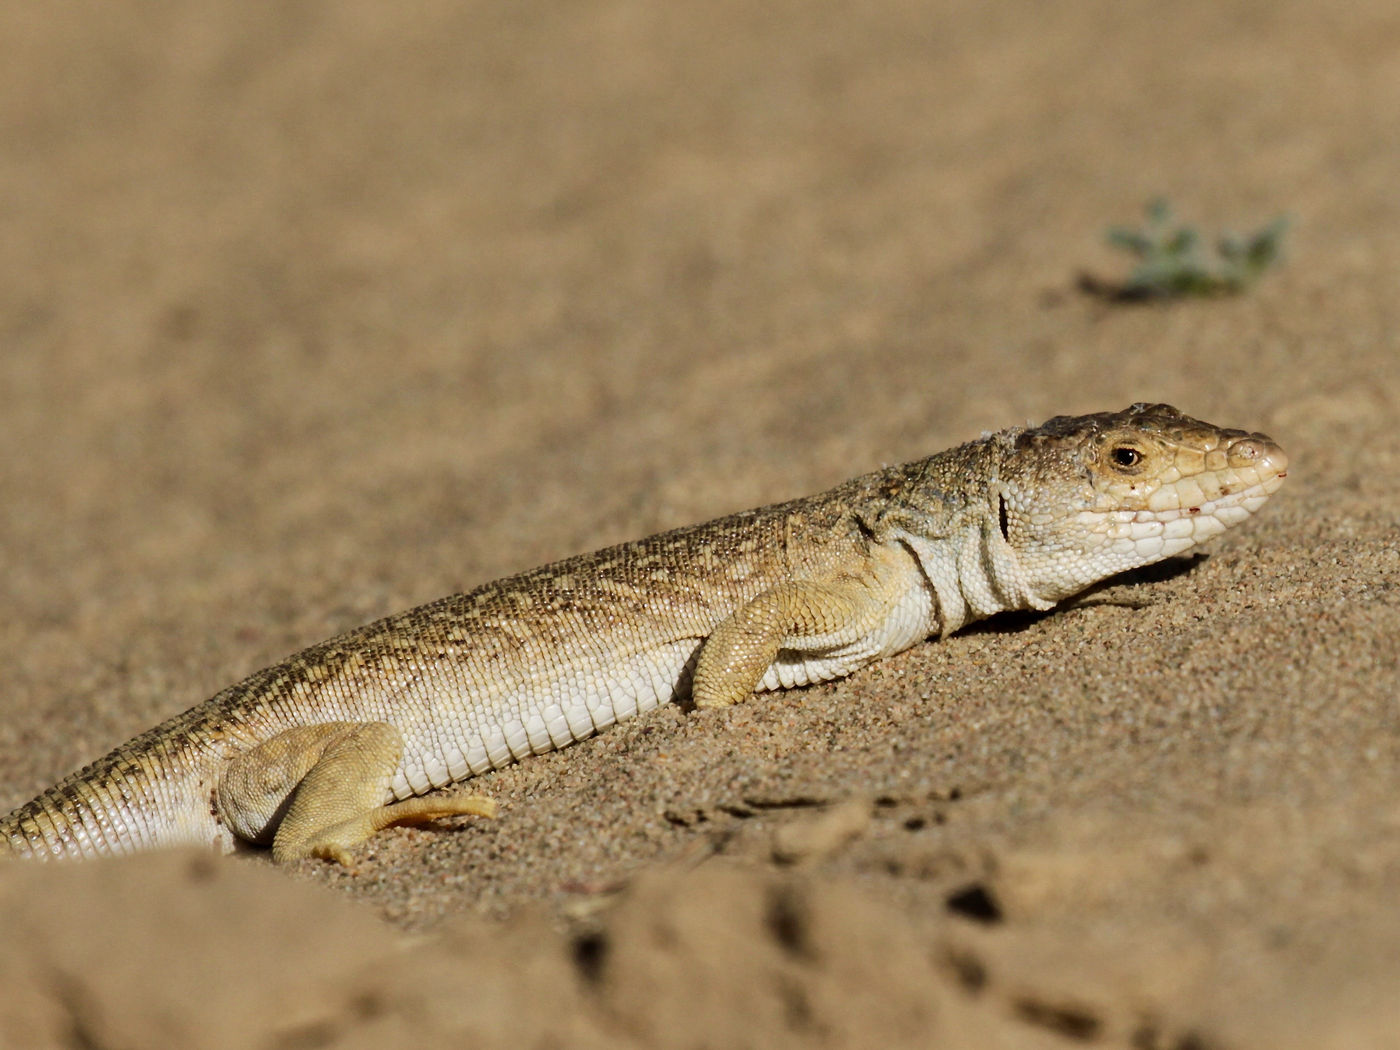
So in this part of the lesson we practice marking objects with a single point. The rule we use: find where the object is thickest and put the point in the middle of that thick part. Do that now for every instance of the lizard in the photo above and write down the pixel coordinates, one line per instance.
(318, 753)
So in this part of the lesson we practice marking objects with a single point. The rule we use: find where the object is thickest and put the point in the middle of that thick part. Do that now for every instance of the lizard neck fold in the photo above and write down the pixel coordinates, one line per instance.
(972, 570)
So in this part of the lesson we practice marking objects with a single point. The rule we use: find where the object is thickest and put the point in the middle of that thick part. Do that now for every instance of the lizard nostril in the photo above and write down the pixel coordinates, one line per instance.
(1259, 452)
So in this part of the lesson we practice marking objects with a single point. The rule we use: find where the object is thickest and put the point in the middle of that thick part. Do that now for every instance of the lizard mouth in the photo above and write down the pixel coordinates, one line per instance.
(1161, 533)
(1246, 488)
(1196, 481)
(1189, 510)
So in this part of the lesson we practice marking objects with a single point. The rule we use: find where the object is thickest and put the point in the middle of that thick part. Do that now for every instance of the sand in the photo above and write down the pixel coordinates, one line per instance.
(315, 312)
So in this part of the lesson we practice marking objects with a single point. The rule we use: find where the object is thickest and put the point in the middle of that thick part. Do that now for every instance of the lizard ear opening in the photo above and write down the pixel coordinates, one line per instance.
(1001, 517)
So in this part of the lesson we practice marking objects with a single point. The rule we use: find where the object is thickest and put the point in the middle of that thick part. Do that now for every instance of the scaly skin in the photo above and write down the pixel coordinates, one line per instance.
(315, 754)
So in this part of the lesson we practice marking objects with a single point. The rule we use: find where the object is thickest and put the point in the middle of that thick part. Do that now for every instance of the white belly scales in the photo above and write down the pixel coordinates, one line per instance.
(552, 712)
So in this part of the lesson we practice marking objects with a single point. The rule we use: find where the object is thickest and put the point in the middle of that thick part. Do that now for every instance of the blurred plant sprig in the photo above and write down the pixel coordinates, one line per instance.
(1173, 260)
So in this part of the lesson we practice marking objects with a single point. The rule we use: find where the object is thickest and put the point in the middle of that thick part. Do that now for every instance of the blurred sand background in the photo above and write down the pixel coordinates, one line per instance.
(315, 311)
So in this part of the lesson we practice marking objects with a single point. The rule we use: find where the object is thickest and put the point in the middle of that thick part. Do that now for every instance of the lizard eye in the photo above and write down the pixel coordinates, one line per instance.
(1125, 457)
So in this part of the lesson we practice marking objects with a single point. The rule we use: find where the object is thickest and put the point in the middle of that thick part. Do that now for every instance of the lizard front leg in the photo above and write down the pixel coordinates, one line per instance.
(318, 790)
(743, 646)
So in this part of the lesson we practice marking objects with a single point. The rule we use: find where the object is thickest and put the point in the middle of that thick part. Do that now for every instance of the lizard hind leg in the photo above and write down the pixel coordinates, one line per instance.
(318, 791)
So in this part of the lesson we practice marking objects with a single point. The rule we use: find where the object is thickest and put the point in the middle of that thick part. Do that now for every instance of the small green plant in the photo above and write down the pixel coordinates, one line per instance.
(1173, 260)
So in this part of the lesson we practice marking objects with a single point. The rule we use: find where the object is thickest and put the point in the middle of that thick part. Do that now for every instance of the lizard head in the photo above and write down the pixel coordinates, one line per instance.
(1084, 497)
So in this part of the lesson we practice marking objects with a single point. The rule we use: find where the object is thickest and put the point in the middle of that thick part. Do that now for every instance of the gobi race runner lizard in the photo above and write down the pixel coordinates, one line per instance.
(317, 753)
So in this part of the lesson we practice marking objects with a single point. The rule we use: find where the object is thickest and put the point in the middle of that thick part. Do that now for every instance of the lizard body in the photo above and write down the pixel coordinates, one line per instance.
(315, 754)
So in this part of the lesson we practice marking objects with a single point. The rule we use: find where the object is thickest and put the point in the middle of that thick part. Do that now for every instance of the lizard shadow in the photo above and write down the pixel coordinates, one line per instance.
(1160, 572)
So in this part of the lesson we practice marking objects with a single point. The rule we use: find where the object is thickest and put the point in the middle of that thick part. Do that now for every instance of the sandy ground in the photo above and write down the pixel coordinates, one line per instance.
(322, 310)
